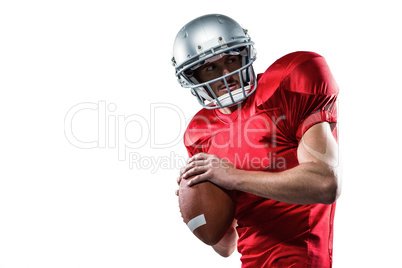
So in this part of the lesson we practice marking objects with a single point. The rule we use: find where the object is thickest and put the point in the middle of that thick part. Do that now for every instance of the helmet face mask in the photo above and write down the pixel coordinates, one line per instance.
(207, 39)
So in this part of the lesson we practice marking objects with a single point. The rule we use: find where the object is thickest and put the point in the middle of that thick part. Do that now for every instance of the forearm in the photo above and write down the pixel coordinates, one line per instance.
(307, 183)
(228, 243)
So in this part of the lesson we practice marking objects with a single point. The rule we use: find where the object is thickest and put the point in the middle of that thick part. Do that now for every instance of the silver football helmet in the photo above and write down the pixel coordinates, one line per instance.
(206, 39)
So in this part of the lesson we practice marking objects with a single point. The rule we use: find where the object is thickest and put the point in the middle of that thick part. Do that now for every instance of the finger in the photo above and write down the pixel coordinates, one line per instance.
(198, 179)
(197, 170)
(177, 192)
(178, 180)
(191, 165)
(200, 156)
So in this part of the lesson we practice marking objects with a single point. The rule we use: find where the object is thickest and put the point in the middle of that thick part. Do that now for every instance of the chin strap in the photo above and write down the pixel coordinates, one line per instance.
(237, 95)
(224, 100)
(201, 92)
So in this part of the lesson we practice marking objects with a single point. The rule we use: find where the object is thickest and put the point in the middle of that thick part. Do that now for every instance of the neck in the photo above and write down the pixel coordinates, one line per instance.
(229, 109)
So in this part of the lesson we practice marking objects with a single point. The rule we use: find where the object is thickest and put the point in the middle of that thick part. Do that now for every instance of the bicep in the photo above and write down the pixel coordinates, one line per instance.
(318, 145)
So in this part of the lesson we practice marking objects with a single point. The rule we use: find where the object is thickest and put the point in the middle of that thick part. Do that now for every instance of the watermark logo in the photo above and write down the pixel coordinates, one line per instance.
(121, 132)
(152, 163)
(127, 134)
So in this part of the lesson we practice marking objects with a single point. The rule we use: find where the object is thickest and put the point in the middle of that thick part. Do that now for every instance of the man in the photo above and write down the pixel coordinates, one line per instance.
(270, 138)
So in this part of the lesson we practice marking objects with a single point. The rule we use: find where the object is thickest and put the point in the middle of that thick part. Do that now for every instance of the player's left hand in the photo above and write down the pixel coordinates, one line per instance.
(208, 167)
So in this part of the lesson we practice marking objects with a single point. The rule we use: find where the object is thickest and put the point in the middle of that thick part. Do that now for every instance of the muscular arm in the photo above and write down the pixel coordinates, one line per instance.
(228, 243)
(315, 180)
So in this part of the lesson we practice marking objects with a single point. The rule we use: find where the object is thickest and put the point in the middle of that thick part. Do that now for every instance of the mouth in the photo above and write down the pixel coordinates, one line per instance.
(232, 86)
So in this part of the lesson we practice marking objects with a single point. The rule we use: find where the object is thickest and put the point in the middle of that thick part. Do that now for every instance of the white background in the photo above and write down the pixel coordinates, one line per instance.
(65, 206)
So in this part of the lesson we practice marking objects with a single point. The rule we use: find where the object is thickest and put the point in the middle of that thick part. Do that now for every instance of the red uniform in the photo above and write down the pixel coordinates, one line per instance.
(295, 92)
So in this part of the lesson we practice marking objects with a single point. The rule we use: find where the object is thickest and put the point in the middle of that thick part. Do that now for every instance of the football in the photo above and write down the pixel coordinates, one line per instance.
(207, 209)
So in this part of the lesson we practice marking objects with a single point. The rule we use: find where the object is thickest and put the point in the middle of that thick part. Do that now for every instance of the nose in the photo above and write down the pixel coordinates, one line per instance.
(225, 70)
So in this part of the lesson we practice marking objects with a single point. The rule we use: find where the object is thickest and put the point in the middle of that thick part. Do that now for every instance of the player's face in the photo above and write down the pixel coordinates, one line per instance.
(223, 66)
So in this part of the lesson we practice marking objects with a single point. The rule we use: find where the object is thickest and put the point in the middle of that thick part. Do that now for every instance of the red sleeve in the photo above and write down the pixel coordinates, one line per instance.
(310, 93)
(198, 133)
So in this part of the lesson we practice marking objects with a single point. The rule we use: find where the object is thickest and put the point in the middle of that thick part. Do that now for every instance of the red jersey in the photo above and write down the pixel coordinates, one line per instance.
(294, 93)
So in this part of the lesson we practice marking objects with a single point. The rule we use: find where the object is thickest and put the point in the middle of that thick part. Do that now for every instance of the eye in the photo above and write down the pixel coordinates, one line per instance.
(232, 60)
(210, 67)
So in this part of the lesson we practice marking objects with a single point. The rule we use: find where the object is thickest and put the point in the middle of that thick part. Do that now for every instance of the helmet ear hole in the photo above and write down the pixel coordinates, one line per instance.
(189, 72)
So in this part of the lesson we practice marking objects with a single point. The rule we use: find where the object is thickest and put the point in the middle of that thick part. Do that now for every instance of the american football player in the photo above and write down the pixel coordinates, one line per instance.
(278, 129)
